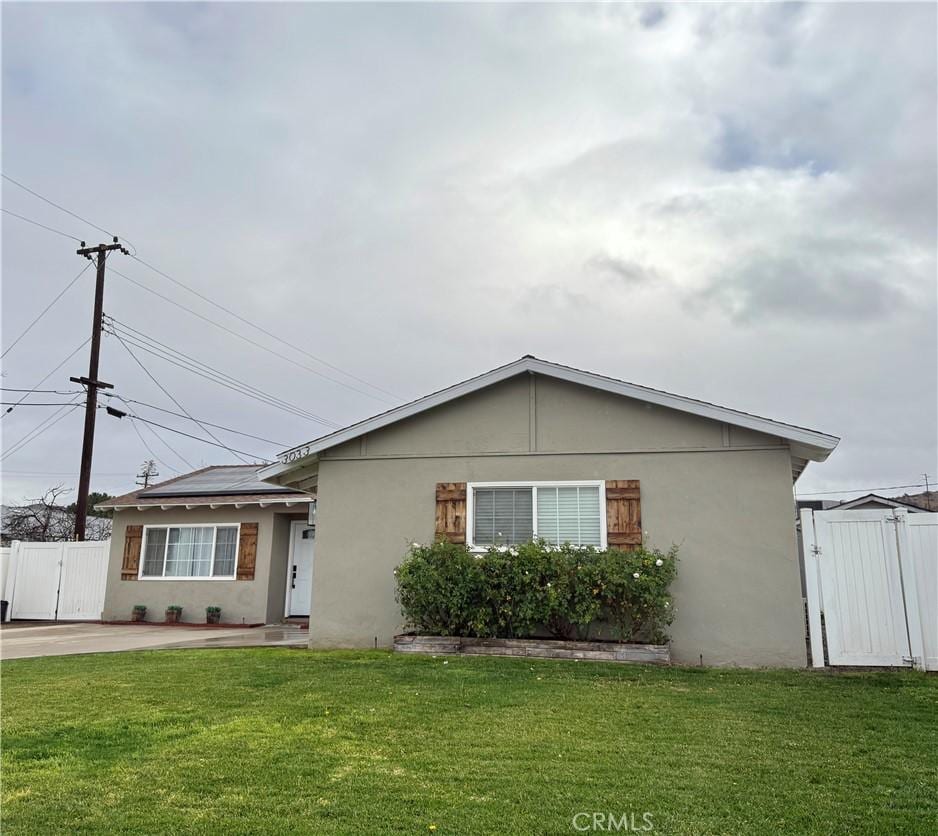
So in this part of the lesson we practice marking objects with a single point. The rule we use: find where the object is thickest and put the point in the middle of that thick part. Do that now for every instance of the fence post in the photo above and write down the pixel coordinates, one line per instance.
(812, 586)
(12, 569)
(907, 583)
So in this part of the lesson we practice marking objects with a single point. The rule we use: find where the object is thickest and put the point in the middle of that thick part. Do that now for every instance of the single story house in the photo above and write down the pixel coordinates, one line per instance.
(215, 537)
(494, 457)
(874, 502)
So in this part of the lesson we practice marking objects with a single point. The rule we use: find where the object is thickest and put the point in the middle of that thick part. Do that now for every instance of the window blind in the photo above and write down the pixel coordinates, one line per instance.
(502, 516)
(569, 515)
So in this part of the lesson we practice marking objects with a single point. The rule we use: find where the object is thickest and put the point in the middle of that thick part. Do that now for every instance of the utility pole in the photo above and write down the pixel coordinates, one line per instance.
(147, 472)
(91, 383)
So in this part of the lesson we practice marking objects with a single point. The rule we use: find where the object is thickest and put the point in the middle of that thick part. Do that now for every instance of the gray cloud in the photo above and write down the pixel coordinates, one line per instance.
(411, 192)
(793, 288)
(622, 271)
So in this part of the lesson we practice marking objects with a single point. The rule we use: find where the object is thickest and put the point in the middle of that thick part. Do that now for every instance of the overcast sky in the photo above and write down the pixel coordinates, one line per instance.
(731, 202)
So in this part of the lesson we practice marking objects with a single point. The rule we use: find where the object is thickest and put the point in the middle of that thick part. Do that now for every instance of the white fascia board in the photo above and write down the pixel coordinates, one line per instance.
(814, 445)
(185, 506)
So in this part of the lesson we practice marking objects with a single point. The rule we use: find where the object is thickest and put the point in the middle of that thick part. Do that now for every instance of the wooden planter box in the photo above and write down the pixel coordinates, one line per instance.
(658, 654)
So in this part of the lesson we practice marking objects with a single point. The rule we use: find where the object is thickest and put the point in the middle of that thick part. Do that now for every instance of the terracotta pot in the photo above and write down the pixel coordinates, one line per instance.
(173, 616)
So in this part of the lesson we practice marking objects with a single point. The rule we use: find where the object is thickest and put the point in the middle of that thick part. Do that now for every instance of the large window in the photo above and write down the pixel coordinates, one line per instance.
(505, 514)
(190, 551)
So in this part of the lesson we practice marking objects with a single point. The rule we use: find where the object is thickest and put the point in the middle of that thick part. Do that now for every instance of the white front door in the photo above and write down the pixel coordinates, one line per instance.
(300, 569)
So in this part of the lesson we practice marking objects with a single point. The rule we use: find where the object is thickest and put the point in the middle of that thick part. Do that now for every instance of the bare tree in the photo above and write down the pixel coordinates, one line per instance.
(46, 520)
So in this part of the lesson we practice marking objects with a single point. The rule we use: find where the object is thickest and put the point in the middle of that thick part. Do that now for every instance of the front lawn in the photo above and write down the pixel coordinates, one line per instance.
(288, 741)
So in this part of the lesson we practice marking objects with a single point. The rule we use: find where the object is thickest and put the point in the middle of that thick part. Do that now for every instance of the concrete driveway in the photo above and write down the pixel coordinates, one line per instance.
(27, 639)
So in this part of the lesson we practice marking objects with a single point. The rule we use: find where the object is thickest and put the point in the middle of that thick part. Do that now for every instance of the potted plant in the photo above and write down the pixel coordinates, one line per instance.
(139, 613)
(212, 615)
(173, 614)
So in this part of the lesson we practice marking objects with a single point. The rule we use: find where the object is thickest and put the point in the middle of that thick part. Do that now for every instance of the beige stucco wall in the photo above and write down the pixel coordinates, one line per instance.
(248, 602)
(729, 506)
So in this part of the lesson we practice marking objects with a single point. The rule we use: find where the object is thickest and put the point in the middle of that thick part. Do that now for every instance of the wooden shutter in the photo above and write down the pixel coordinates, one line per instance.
(247, 551)
(133, 540)
(451, 511)
(623, 514)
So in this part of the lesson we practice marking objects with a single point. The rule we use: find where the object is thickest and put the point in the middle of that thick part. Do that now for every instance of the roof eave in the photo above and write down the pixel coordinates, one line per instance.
(196, 502)
(811, 444)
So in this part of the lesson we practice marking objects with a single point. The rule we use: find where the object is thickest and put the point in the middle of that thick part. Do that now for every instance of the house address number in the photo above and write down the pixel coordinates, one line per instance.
(294, 455)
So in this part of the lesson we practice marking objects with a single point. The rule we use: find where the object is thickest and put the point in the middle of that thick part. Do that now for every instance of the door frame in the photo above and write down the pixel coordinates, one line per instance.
(288, 594)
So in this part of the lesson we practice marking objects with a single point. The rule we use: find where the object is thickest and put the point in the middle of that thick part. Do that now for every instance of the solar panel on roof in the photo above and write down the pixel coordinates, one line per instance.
(219, 481)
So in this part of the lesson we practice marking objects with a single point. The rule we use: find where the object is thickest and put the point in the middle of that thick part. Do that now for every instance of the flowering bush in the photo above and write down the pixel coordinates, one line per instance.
(524, 590)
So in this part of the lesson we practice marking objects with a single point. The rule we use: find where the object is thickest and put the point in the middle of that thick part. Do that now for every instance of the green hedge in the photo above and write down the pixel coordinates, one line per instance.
(570, 591)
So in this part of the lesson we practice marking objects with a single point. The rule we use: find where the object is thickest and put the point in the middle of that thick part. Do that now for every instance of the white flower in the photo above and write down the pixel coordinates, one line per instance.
(415, 545)
(635, 575)
(659, 562)
(548, 584)
(446, 663)
(395, 571)
(667, 604)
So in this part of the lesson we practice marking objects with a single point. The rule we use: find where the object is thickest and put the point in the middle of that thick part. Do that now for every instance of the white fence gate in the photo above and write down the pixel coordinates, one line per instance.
(873, 574)
(49, 581)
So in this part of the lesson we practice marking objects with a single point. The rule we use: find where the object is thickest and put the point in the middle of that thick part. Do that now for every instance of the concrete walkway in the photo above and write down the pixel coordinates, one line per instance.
(21, 640)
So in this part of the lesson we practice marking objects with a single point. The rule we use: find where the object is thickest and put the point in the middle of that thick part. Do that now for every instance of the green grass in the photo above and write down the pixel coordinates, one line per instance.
(288, 741)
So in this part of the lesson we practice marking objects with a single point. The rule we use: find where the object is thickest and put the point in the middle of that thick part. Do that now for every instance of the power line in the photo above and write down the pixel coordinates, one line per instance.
(60, 473)
(858, 490)
(40, 428)
(146, 342)
(169, 395)
(36, 387)
(200, 421)
(33, 403)
(210, 301)
(277, 337)
(133, 423)
(45, 310)
(43, 226)
(198, 367)
(220, 380)
(246, 339)
(203, 440)
(62, 208)
(43, 391)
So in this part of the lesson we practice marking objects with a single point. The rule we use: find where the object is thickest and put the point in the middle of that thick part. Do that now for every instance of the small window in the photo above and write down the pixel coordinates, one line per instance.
(505, 515)
(190, 551)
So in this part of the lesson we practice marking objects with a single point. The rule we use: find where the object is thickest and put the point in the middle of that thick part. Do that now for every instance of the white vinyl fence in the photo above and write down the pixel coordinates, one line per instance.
(873, 575)
(4, 569)
(56, 581)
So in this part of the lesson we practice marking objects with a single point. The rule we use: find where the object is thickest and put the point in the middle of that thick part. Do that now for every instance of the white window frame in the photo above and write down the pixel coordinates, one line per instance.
(589, 483)
(165, 577)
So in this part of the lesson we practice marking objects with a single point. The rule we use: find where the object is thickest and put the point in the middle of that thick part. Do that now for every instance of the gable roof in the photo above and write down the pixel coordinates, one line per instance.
(876, 499)
(214, 485)
(806, 444)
